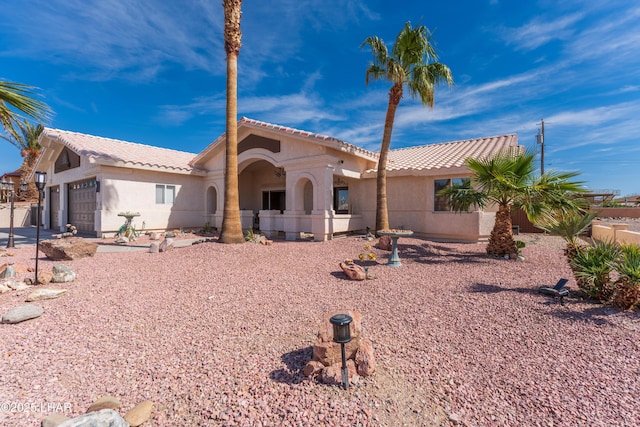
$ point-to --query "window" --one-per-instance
(273, 200)
(441, 203)
(341, 200)
(165, 194)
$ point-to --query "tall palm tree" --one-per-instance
(231, 226)
(508, 179)
(412, 62)
(26, 140)
(20, 97)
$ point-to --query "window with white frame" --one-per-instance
(441, 203)
(165, 194)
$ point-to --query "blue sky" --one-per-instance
(153, 71)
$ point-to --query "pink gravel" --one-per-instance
(218, 335)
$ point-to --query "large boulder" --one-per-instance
(68, 249)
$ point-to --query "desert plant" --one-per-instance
(592, 267)
(569, 225)
(627, 287)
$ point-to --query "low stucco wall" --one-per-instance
(21, 215)
(614, 233)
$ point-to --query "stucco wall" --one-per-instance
(135, 190)
(614, 233)
(21, 215)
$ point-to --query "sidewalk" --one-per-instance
(25, 236)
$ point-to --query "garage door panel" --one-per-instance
(82, 204)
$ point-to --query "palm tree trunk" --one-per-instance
(231, 225)
(501, 240)
(382, 213)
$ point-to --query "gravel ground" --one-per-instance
(218, 335)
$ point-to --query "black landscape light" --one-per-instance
(342, 334)
(41, 182)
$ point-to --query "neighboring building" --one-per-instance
(290, 182)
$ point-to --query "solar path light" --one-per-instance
(342, 334)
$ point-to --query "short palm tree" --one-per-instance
(627, 287)
(592, 266)
(508, 181)
(231, 226)
(412, 62)
(26, 140)
(569, 225)
(22, 98)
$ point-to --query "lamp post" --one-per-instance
(41, 182)
(10, 190)
(342, 334)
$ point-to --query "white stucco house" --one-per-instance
(290, 182)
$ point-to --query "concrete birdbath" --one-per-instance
(394, 260)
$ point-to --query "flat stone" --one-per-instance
(4, 288)
(102, 418)
(44, 293)
(16, 286)
(139, 414)
(105, 402)
(68, 249)
(122, 239)
(62, 274)
(53, 420)
(22, 313)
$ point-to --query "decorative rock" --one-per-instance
(332, 375)
(154, 248)
(62, 274)
(22, 313)
(68, 249)
(313, 368)
(139, 414)
(122, 239)
(4, 288)
(43, 293)
(102, 418)
(44, 277)
(353, 271)
(53, 420)
(166, 245)
(170, 234)
(17, 286)
(7, 271)
(365, 360)
(154, 236)
(384, 243)
(105, 402)
(329, 353)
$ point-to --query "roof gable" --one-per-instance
(316, 138)
(121, 153)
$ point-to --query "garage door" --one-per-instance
(82, 204)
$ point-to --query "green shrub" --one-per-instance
(592, 266)
(627, 289)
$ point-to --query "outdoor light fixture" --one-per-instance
(342, 334)
(41, 182)
(10, 190)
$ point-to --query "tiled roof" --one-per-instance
(447, 154)
(106, 150)
(314, 137)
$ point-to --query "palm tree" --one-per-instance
(27, 142)
(231, 226)
(508, 180)
(20, 97)
(569, 225)
(412, 62)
